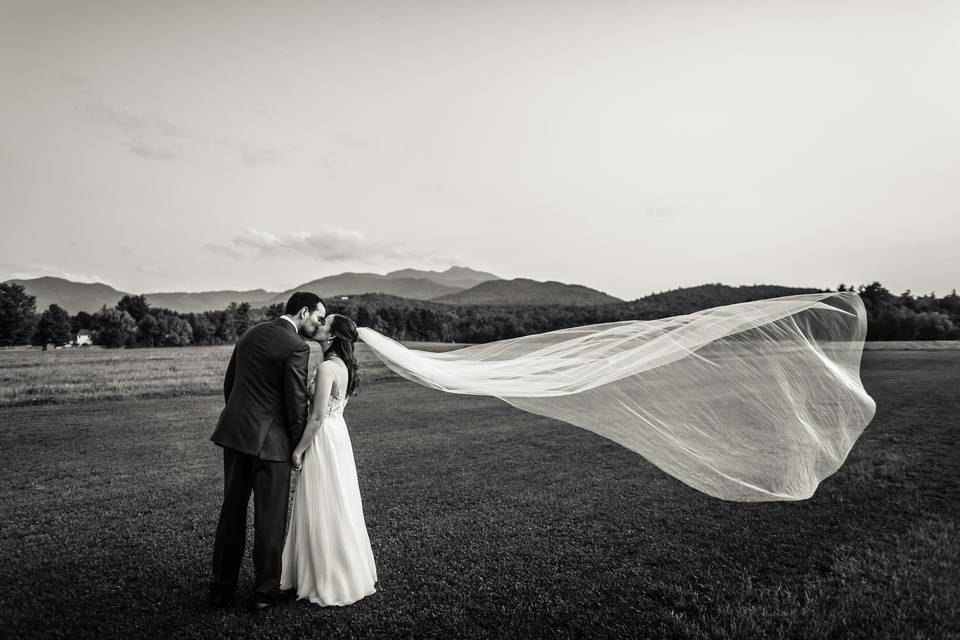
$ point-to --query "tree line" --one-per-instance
(909, 317)
(132, 322)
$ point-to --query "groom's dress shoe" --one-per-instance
(260, 604)
(288, 595)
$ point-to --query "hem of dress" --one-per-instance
(344, 603)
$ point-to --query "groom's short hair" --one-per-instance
(302, 299)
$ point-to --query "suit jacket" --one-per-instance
(265, 389)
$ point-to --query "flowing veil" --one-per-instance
(747, 402)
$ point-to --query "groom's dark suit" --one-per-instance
(265, 389)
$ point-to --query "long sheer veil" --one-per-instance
(748, 402)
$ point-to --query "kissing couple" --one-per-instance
(279, 418)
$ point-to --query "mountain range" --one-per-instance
(523, 291)
(456, 285)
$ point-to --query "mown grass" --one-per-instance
(71, 375)
(29, 377)
(487, 522)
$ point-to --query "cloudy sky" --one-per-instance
(628, 146)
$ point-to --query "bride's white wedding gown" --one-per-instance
(327, 556)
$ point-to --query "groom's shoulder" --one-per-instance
(283, 332)
(269, 325)
(268, 330)
(260, 328)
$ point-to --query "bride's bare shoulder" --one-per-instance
(324, 373)
(333, 370)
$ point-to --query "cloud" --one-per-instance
(152, 152)
(261, 157)
(151, 137)
(328, 245)
(225, 250)
(82, 277)
(31, 271)
(139, 123)
(149, 270)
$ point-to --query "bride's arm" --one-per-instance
(321, 397)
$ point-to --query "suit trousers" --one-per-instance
(270, 483)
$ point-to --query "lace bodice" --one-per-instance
(337, 402)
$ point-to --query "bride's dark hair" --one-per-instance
(343, 333)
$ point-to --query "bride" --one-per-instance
(327, 557)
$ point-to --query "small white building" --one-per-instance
(84, 337)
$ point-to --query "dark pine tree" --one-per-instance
(115, 328)
(53, 328)
(17, 314)
(136, 306)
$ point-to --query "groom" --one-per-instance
(266, 410)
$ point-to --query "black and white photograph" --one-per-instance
(460, 319)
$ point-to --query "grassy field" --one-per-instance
(485, 521)
(70, 375)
